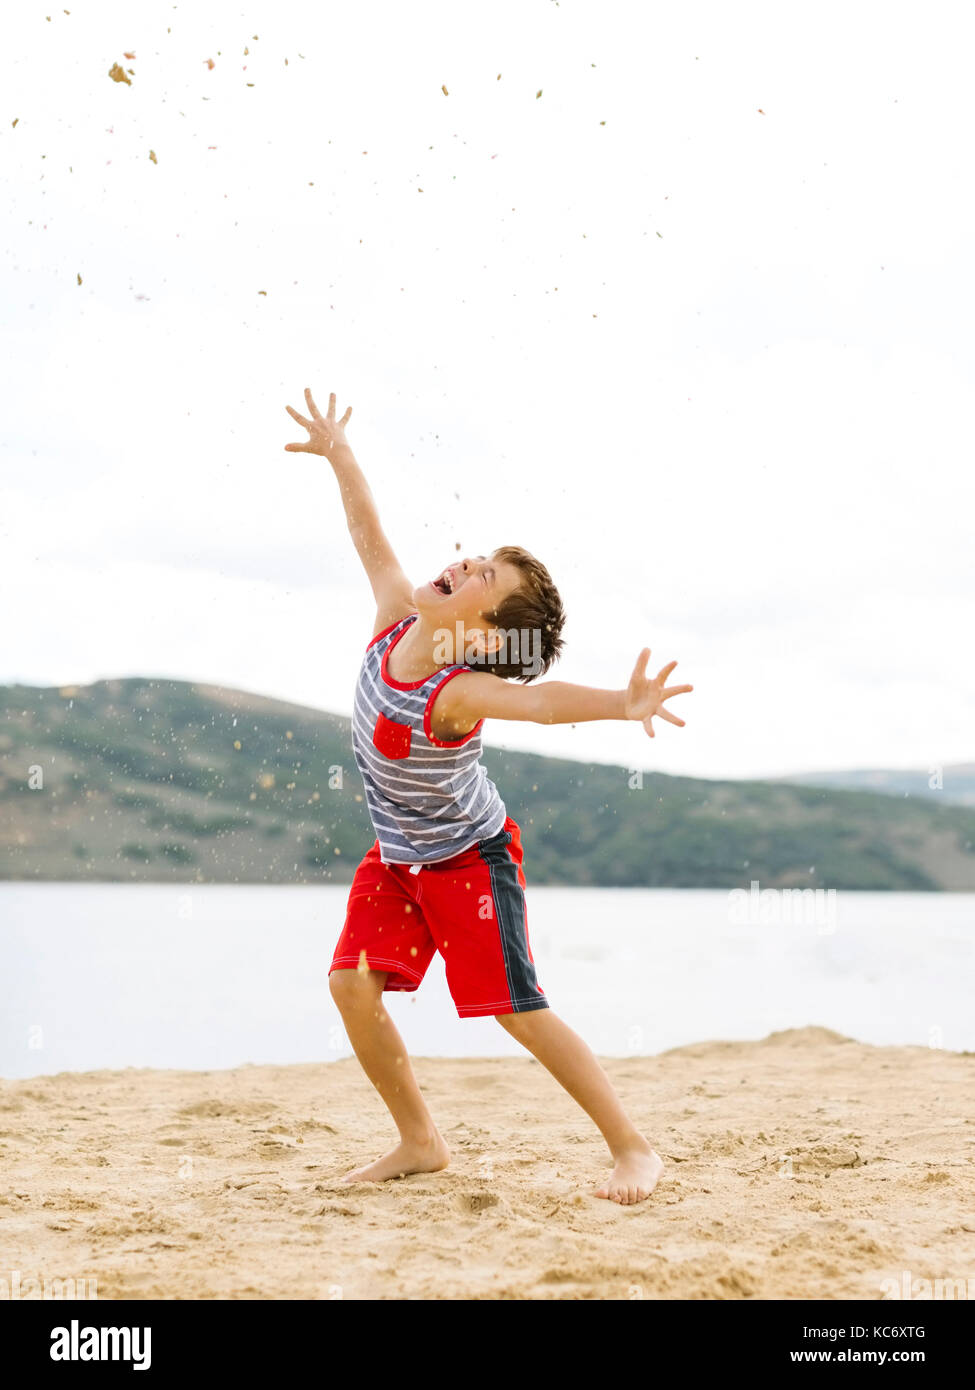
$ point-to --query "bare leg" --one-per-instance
(379, 1048)
(637, 1166)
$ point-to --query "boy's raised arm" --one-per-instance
(478, 695)
(392, 589)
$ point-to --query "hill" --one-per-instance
(164, 780)
(954, 783)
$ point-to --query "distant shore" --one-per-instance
(803, 1166)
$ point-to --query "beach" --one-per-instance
(805, 1165)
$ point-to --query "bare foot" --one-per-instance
(634, 1177)
(405, 1158)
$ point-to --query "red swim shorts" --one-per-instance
(470, 908)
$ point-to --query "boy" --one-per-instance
(445, 871)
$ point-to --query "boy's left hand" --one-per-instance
(326, 434)
(645, 697)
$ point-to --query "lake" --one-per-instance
(213, 976)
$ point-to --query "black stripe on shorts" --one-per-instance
(509, 907)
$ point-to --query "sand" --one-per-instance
(802, 1166)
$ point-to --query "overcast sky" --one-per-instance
(694, 325)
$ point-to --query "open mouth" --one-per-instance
(445, 584)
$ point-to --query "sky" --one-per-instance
(677, 297)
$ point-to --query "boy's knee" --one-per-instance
(352, 988)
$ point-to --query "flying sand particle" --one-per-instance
(117, 74)
(152, 156)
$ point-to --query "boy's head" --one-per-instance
(511, 612)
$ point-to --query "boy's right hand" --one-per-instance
(326, 433)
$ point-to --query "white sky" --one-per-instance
(739, 430)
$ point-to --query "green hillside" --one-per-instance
(160, 780)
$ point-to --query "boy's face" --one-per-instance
(465, 591)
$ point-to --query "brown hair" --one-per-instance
(535, 607)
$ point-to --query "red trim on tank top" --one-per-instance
(385, 632)
(427, 724)
(384, 667)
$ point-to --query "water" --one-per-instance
(206, 977)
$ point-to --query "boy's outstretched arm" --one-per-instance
(393, 591)
(478, 695)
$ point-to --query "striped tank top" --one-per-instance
(427, 799)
